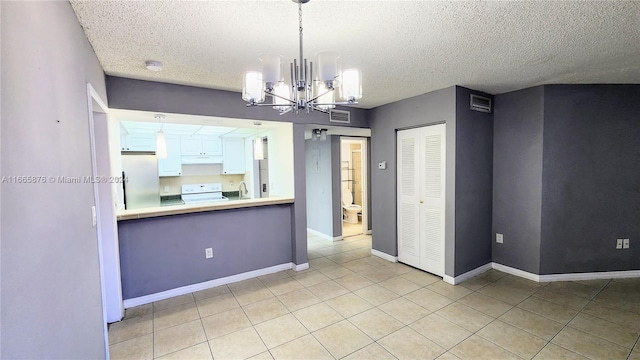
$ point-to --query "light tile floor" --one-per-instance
(354, 306)
(351, 229)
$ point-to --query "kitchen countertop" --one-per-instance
(201, 207)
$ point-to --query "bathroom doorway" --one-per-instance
(353, 180)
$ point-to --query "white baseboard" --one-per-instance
(129, 303)
(568, 276)
(466, 276)
(516, 272)
(300, 267)
(324, 236)
(384, 256)
(541, 278)
(368, 232)
(591, 276)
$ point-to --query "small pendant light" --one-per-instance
(161, 141)
(258, 147)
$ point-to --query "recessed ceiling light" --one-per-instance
(153, 65)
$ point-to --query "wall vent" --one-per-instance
(340, 116)
(480, 103)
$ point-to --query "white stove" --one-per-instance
(202, 193)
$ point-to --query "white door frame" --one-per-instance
(365, 181)
(95, 103)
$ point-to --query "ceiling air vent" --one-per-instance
(340, 116)
(480, 103)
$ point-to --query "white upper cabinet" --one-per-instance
(190, 145)
(197, 145)
(233, 156)
(138, 142)
(172, 165)
(212, 145)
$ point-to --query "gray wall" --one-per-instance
(336, 186)
(319, 185)
(590, 182)
(51, 299)
(161, 97)
(299, 210)
(369, 172)
(517, 178)
(474, 183)
(432, 108)
(164, 253)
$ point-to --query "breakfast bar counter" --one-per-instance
(157, 211)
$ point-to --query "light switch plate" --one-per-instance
(619, 244)
(499, 238)
(625, 243)
(208, 253)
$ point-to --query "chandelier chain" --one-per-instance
(300, 15)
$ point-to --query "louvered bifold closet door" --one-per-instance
(408, 196)
(432, 205)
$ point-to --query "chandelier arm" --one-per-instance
(325, 93)
(336, 103)
(278, 96)
(319, 109)
(263, 104)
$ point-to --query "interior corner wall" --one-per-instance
(51, 297)
(319, 185)
(299, 208)
(590, 187)
(518, 121)
(336, 186)
(428, 109)
(474, 184)
(369, 171)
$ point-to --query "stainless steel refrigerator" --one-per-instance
(142, 185)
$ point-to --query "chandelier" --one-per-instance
(305, 92)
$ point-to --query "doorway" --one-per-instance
(421, 197)
(353, 190)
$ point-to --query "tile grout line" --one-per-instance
(202, 325)
(375, 281)
(578, 313)
(633, 347)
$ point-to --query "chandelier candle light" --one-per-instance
(304, 91)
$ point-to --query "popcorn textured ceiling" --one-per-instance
(403, 48)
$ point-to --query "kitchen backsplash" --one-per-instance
(199, 174)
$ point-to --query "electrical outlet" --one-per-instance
(499, 238)
(625, 243)
(619, 244)
(208, 253)
(166, 188)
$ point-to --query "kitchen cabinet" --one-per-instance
(172, 165)
(233, 156)
(138, 142)
(201, 145)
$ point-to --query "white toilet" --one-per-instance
(351, 209)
